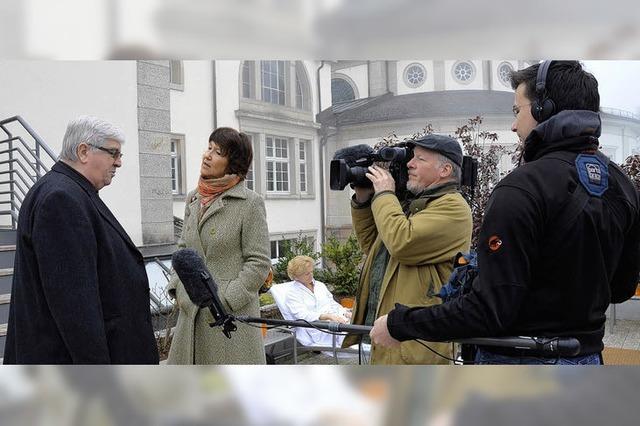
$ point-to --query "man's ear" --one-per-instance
(82, 151)
(446, 170)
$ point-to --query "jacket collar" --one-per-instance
(65, 169)
(92, 192)
(237, 191)
(569, 130)
(431, 194)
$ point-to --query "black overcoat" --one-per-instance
(80, 292)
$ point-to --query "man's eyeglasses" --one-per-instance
(516, 109)
(114, 153)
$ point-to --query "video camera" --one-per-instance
(349, 166)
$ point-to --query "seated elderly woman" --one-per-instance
(310, 300)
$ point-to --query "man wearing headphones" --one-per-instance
(560, 239)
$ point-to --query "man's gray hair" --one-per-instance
(456, 171)
(90, 130)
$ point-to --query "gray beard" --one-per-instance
(415, 189)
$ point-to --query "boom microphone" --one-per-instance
(352, 154)
(200, 286)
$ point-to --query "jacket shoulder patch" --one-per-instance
(593, 174)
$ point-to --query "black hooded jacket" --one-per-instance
(552, 251)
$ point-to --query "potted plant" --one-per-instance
(342, 268)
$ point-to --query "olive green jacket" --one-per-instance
(421, 248)
(233, 239)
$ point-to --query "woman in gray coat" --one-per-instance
(226, 223)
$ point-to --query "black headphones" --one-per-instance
(542, 108)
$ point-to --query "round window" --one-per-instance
(504, 73)
(464, 72)
(414, 75)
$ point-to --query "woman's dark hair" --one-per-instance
(568, 85)
(236, 146)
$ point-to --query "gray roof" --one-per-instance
(455, 103)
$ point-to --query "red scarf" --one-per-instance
(211, 188)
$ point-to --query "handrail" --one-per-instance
(19, 138)
(30, 130)
(17, 160)
(38, 161)
(19, 175)
(18, 185)
(35, 169)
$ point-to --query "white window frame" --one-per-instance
(303, 162)
(278, 90)
(177, 153)
(279, 238)
(250, 179)
(276, 161)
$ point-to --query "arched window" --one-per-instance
(341, 90)
(272, 76)
(272, 82)
(248, 71)
(303, 93)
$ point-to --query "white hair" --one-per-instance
(90, 130)
(456, 171)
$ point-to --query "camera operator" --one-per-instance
(560, 238)
(409, 253)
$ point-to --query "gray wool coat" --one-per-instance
(233, 240)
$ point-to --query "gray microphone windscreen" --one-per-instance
(194, 276)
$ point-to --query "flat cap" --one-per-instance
(445, 145)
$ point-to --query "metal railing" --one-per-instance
(620, 112)
(22, 163)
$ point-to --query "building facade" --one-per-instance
(297, 113)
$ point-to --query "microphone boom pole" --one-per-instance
(323, 325)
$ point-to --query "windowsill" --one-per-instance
(276, 196)
(261, 103)
(179, 197)
(251, 108)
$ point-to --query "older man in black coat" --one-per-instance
(80, 291)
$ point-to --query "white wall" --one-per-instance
(192, 116)
(427, 86)
(227, 92)
(49, 94)
(325, 84)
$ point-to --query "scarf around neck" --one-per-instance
(211, 188)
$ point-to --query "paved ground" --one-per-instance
(625, 334)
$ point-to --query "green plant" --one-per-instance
(301, 246)
(266, 299)
(342, 265)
